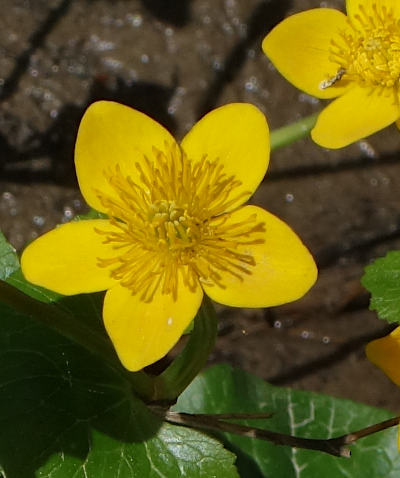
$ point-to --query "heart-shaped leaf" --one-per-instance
(382, 280)
(223, 389)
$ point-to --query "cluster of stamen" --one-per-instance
(368, 52)
(171, 224)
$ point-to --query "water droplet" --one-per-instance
(289, 197)
(304, 98)
(367, 149)
(112, 63)
(373, 182)
(218, 65)
(227, 27)
(7, 196)
(251, 84)
(68, 212)
(38, 220)
(242, 30)
(135, 20)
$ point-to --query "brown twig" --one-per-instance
(333, 446)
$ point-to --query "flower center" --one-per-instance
(171, 225)
(369, 52)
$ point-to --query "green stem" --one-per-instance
(289, 134)
(172, 382)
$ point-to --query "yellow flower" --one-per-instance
(385, 354)
(355, 57)
(176, 227)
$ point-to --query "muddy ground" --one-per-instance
(176, 60)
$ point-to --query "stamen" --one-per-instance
(368, 53)
(170, 225)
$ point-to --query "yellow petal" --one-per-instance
(142, 332)
(65, 259)
(385, 354)
(357, 114)
(299, 47)
(237, 134)
(284, 270)
(353, 7)
(112, 134)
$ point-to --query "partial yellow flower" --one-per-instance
(355, 58)
(385, 354)
(176, 227)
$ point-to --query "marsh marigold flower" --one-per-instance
(355, 58)
(176, 227)
(385, 354)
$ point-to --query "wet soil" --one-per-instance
(176, 60)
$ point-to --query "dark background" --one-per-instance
(176, 60)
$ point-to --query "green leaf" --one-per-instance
(64, 413)
(39, 293)
(92, 214)
(222, 389)
(382, 280)
(84, 307)
(8, 258)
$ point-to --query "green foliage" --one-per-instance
(85, 307)
(92, 214)
(8, 258)
(64, 413)
(17, 280)
(382, 280)
(222, 389)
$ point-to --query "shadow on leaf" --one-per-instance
(57, 400)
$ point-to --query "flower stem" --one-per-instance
(172, 382)
(289, 134)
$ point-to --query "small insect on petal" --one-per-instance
(331, 81)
